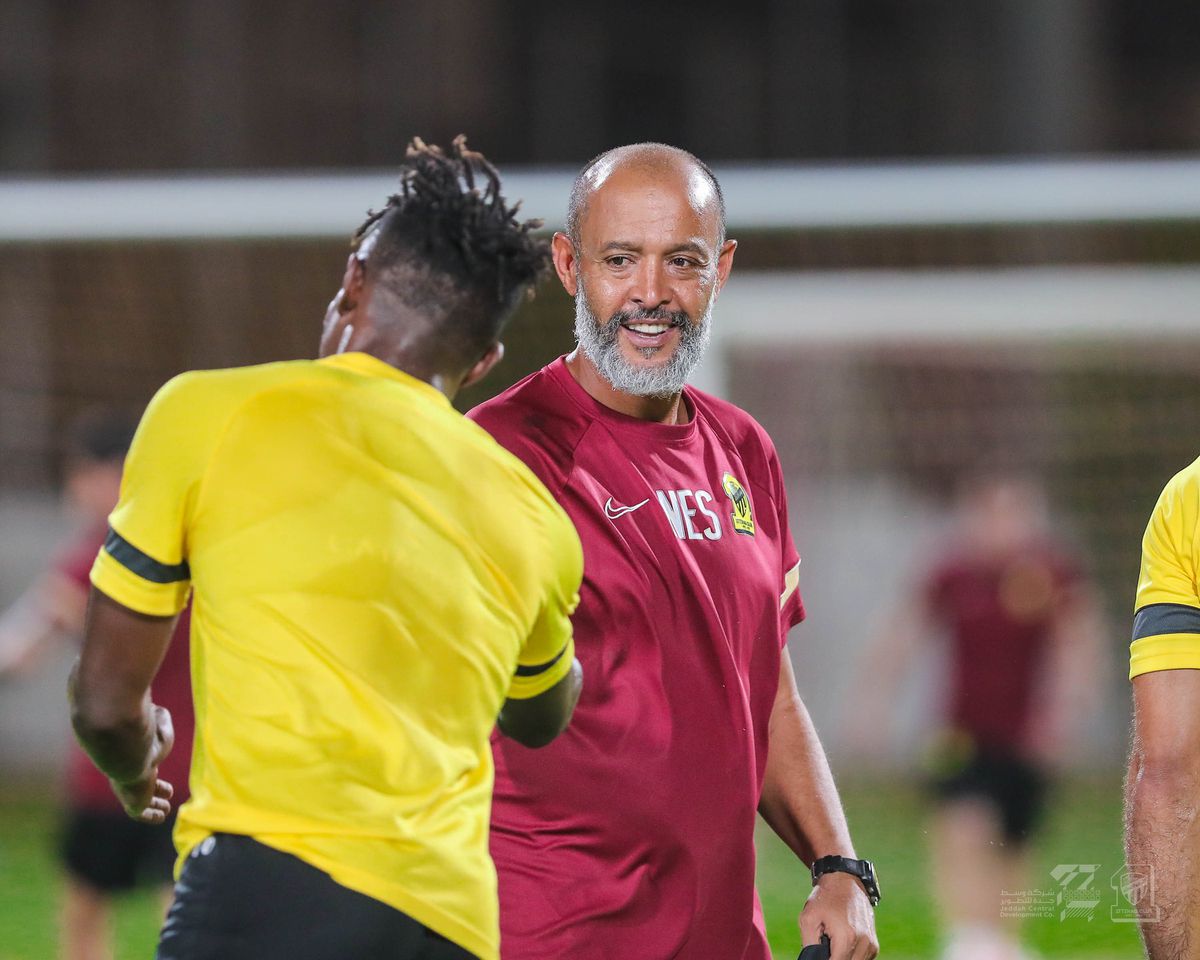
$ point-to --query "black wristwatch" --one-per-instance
(863, 870)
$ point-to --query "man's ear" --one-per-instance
(483, 366)
(343, 309)
(725, 262)
(566, 264)
(352, 285)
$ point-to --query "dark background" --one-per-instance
(134, 85)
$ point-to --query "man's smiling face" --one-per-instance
(649, 263)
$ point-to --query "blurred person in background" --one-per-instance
(104, 853)
(632, 836)
(1023, 633)
(1162, 801)
(377, 585)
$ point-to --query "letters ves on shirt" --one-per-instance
(695, 514)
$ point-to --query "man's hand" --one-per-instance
(147, 799)
(124, 733)
(839, 908)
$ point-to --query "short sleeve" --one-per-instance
(143, 563)
(1166, 627)
(791, 604)
(549, 649)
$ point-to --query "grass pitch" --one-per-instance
(888, 825)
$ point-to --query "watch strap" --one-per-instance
(862, 870)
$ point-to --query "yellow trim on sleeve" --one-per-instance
(1167, 651)
(791, 581)
(522, 688)
(121, 584)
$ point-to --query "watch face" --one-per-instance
(871, 881)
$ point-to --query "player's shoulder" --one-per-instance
(737, 429)
(1176, 515)
(1184, 486)
(199, 403)
(234, 383)
(537, 421)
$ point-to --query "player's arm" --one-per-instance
(536, 720)
(549, 678)
(1162, 802)
(1162, 792)
(114, 719)
(141, 580)
(801, 804)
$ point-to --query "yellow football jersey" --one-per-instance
(1166, 627)
(372, 575)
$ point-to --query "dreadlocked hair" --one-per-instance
(450, 217)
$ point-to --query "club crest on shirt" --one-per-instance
(743, 516)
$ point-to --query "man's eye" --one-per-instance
(618, 261)
(682, 262)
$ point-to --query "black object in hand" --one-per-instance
(818, 951)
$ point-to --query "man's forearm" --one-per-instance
(799, 798)
(118, 741)
(1162, 842)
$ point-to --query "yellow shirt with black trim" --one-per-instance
(1166, 626)
(372, 576)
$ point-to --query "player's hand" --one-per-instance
(838, 907)
(147, 798)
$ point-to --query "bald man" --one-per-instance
(632, 835)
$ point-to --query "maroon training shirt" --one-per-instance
(998, 614)
(631, 835)
(87, 787)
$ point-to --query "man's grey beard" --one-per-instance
(599, 342)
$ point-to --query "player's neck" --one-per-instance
(400, 343)
(669, 410)
(405, 358)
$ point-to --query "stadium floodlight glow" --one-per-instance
(313, 205)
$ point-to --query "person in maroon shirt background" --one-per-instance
(104, 852)
(1023, 635)
(631, 836)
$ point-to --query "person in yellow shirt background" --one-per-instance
(1162, 840)
(377, 584)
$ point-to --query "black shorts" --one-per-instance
(1014, 786)
(238, 899)
(112, 853)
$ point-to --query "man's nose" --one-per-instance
(650, 289)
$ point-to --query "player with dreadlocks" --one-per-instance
(377, 584)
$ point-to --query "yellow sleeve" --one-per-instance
(143, 564)
(550, 648)
(1166, 627)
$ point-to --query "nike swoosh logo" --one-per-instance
(614, 512)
